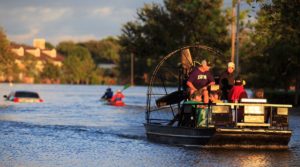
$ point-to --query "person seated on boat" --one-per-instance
(214, 94)
(199, 79)
(108, 94)
(215, 97)
(226, 81)
(259, 93)
(118, 97)
(197, 96)
(238, 91)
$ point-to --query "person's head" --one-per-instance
(239, 82)
(197, 96)
(108, 89)
(214, 96)
(259, 93)
(205, 65)
(118, 91)
(230, 67)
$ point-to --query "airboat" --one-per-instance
(172, 118)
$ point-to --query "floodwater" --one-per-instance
(73, 128)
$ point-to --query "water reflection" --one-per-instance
(241, 158)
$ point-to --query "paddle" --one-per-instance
(125, 87)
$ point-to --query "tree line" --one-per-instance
(79, 64)
(269, 46)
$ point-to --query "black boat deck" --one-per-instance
(219, 137)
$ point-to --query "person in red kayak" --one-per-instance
(237, 92)
(117, 98)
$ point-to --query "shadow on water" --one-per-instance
(130, 133)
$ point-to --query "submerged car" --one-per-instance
(23, 97)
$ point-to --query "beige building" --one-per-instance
(40, 54)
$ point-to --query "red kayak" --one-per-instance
(117, 103)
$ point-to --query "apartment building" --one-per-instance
(39, 54)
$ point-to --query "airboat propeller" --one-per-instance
(173, 71)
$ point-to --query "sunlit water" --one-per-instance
(73, 128)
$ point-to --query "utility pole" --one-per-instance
(237, 70)
(233, 32)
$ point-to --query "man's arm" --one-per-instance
(211, 83)
(211, 79)
(191, 86)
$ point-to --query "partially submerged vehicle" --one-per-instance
(20, 96)
(172, 118)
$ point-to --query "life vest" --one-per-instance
(237, 92)
(117, 97)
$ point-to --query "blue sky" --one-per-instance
(77, 20)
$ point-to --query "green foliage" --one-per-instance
(104, 51)
(280, 97)
(49, 46)
(78, 66)
(65, 47)
(30, 63)
(7, 58)
(274, 49)
(51, 72)
(161, 29)
(71, 69)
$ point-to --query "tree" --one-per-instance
(104, 51)
(30, 63)
(65, 47)
(161, 29)
(7, 58)
(49, 46)
(275, 47)
(78, 66)
(51, 72)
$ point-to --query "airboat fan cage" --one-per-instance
(167, 88)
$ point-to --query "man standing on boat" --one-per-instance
(199, 79)
(227, 80)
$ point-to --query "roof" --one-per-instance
(42, 56)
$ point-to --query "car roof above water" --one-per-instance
(30, 94)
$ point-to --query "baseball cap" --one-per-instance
(205, 63)
(231, 64)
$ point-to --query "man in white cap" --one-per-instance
(226, 81)
(199, 79)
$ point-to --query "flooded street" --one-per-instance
(73, 128)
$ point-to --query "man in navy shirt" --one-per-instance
(108, 94)
(199, 79)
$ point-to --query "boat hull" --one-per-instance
(219, 137)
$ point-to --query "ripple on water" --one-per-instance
(73, 128)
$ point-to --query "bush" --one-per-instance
(280, 97)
